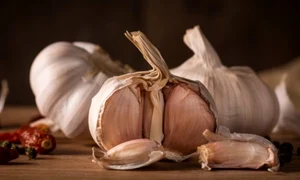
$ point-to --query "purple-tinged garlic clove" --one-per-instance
(130, 155)
(236, 150)
(186, 114)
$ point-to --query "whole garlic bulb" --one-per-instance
(244, 102)
(64, 77)
(154, 105)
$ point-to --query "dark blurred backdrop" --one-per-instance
(257, 33)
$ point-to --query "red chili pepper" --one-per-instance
(12, 137)
(7, 154)
(41, 141)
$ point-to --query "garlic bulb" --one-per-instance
(3, 95)
(288, 94)
(244, 102)
(226, 150)
(154, 105)
(64, 77)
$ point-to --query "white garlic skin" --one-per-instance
(61, 93)
(244, 103)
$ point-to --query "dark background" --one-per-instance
(257, 33)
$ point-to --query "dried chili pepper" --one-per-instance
(12, 137)
(41, 141)
(7, 154)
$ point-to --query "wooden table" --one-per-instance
(72, 160)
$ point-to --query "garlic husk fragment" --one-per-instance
(130, 155)
(244, 102)
(139, 105)
(226, 150)
(64, 77)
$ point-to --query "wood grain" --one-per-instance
(72, 160)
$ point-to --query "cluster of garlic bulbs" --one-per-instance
(64, 77)
(244, 102)
(154, 105)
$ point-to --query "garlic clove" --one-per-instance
(130, 155)
(237, 150)
(185, 105)
(126, 123)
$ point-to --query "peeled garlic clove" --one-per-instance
(244, 102)
(64, 77)
(142, 105)
(130, 155)
(184, 107)
(236, 150)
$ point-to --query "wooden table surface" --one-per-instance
(72, 160)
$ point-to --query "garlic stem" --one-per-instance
(202, 48)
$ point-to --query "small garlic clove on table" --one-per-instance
(236, 150)
(130, 155)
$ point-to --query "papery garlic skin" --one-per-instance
(130, 155)
(139, 105)
(64, 77)
(244, 102)
(226, 150)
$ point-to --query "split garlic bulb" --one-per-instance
(244, 102)
(236, 150)
(64, 77)
(154, 105)
(288, 94)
